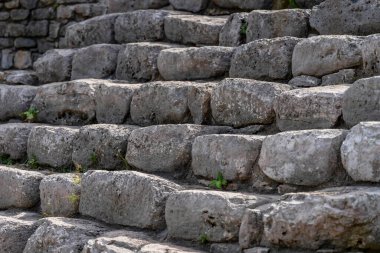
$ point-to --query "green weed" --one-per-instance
(6, 160)
(32, 162)
(219, 182)
(204, 239)
(74, 198)
(30, 115)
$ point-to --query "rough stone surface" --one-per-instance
(96, 61)
(344, 76)
(271, 24)
(225, 248)
(308, 157)
(55, 65)
(244, 5)
(233, 33)
(312, 108)
(272, 59)
(163, 248)
(165, 148)
(325, 218)
(360, 154)
(120, 194)
(22, 77)
(232, 155)
(60, 194)
(304, 81)
(68, 103)
(131, 5)
(191, 213)
(371, 55)
(194, 29)
(15, 229)
(194, 63)
(243, 102)
(113, 102)
(355, 17)
(138, 61)
(15, 100)
(101, 146)
(52, 145)
(63, 235)
(322, 55)
(192, 5)
(361, 101)
(14, 140)
(171, 102)
(19, 188)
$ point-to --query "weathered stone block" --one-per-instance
(21, 77)
(192, 5)
(234, 32)
(244, 5)
(131, 5)
(344, 76)
(22, 59)
(371, 55)
(304, 81)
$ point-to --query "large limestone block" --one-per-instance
(189, 5)
(60, 195)
(312, 108)
(322, 55)
(360, 152)
(244, 5)
(232, 155)
(101, 146)
(271, 24)
(63, 235)
(14, 139)
(371, 55)
(163, 248)
(52, 145)
(308, 157)
(344, 76)
(22, 77)
(165, 148)
(360, 17)
(97, 61)
(233, 33)
(14, 100)
(138, 61)
(131, 5)
(68, 103)
(361, 101)
(15, 230)
(92, 31)
(194, 63)
(55, 65)
(342, 218)
(194, 29)
(304, 81)
(126, 198)
(19, 188)
(171, 103)
(242, 102)
(272, 59)
(192, 213)
(113, 102)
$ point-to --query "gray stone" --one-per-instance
(271, 24)
(141, 25)
(22, 77)
(7, 56)
(171, 103)
(192, 213)
(272, 59)
(63, 235)
(361, 101)
(192, 5)
(55, 65)
(138, 61)
(308, 157)
(97, 61)
(37, 28)
(14, 139)
(344, 76)
(360, 17)
(68, 103)
(22, 59)
(242, 102)
(308, 4)
(360, 152)
(13, 4)
(322, 55)
(52, 145)
(304, 81)
(19, 14)
(44, 13)
(4, 15)
(163, 248)
(101, 146)
(6, 42)
(194, 63)
(194, 29)
(14, 100)
(225, 248)
(131, 5)
(113, 102)
(244, 5)
(15, 229)
(120, 196)
(28, 4)
(16, 30)
(371, 55)
(60, 195)
(232, 155)
(91, 31)
(24, 43)
(314, 220)
(165, 148)
(312, 108)
(234, 32)
(19, 188)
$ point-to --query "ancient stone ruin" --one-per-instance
(189, 126)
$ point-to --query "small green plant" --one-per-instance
(94, 159)
(32, 162)
(124, 160)
(293, 4)
(219, 182)
(6, 160)
(74, 198)
(204, 239)
(243, 27)
(79, 168)
(77, 179)
(30, 115)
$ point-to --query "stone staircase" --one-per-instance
(222, 126)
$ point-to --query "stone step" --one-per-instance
(19, 77)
